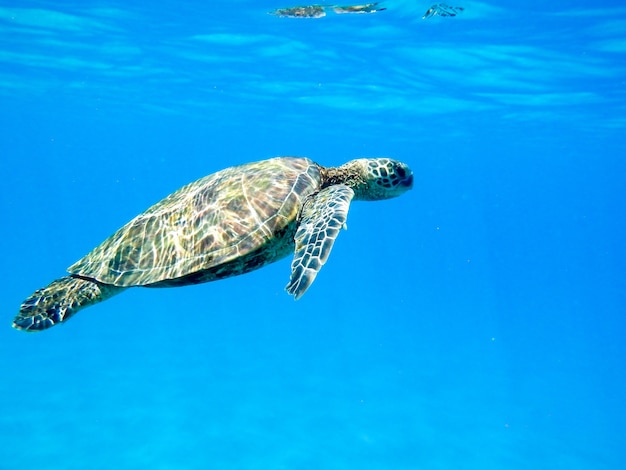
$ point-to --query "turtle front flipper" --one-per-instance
(323, 216)
(60, 300)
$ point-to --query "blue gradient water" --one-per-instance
(476, 322)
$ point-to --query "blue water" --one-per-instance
(476, 322)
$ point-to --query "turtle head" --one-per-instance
(381, 178)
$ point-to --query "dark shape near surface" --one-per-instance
(318, 11)
(442, 9)
(225, 224)
(366, 8)
(311, 11)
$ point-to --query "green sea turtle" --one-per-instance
(228, 223)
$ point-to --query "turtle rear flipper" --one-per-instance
(59, 301)
(322, 218)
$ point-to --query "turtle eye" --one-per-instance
(401, 172)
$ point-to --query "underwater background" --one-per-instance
(477, 322)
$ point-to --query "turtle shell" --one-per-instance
(224, 224)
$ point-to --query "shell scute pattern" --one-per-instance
(223, 224)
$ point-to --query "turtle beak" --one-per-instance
(408, 181)
(404, 176)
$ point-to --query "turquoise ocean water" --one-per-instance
(477, 322)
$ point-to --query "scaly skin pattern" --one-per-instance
(59, 301)
(322, 218)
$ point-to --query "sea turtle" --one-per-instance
(228, 223)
